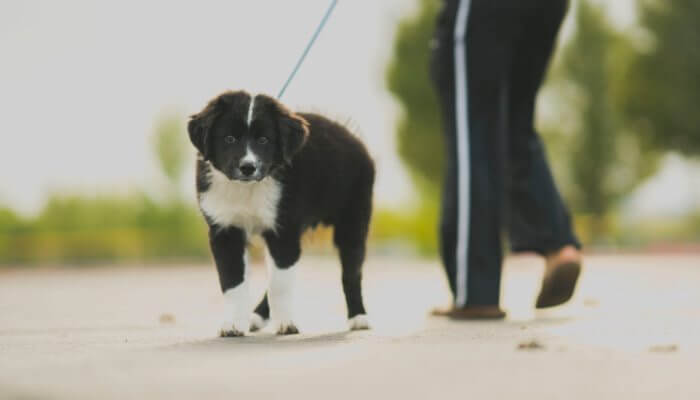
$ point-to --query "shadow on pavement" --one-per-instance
(267, 339)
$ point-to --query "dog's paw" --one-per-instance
(230, 333)
(358, 322)
(233, 329)
(286, 328)
(257, 323)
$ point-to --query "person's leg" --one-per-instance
(539, 220)
(469, 69)
(442, 76)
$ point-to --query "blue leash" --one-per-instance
(308, 47)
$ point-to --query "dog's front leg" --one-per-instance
(284, 249)
(229, 249)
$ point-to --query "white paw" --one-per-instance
(285, 328)
(236, 318)
(358, 322)
(257, 323)
(234, 328)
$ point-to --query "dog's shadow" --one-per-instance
(269, 339)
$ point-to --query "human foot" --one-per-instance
(562, 270)
(470, 312)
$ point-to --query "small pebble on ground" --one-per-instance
(530, 345)
(670, 348)
(167, 318)
(589, 302)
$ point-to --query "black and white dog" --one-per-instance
(262, 169)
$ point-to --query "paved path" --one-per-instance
(632, 332)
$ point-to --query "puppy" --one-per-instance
(265, 170)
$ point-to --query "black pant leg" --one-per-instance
(538, 218)
(442, 76)
(469, 68)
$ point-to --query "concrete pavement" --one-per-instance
(631, 332)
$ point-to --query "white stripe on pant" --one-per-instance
(463, 157)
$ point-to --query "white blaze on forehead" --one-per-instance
(250, 109)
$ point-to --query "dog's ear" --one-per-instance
(199, 126)
(199, 135)
(293, 132)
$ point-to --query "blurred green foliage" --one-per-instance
(662, 87)
(171, 149)
(408, 80)
(79, 229)
(406, 230)
(419, 125)
(75, 229)
(597, 158)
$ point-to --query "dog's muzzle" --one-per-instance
(247, 172)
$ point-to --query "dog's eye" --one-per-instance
(230, 139)
(262, 140)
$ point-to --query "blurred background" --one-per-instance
(94, 96)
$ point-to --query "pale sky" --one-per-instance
(81, 83)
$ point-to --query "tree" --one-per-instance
(662, 90)
(419, 131)
(595, 153)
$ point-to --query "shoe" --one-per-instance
(559, 284)
(470, 312)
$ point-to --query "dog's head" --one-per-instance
(247, 137)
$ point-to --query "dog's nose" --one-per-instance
(247, 169)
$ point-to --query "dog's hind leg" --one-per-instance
(261, 315)
(351, 258)
(350, 236)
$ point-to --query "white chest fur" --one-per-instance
(251, 206)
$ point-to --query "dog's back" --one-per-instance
(331, 174)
